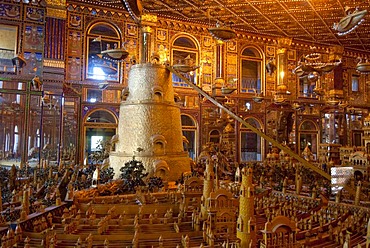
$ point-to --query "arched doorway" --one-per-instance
(99, 126)
(189, 131)
(250, 142)
(308, 133)
(185, 47)
(251, 71)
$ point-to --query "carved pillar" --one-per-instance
(148, 22)
(282, 61)
(219, 80)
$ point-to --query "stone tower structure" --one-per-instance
(246, 226)
(150, 125)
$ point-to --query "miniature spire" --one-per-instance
(26, 201)
(358, 193)
(58, 201)
(208, 185)
(285, 184)
(246, 220)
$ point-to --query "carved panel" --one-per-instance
(73, 68)
(75, 21)
(162, 35)
(10, 11)
(33, 37)
(74, 43)
(33, 14)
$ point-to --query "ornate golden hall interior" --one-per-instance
(185, 123)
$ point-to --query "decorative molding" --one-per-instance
(56, 13)
(60, 3)
(54, 63)
(149, 18)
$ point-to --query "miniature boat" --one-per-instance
(116, 55)
(332, 102)
(350, 22)
(226, 90)
(222, 33)
(185, 68)
(258, 99)
(363, 67)
(13, 12)
(108, 69)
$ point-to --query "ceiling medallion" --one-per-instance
(222, 33)
(351, 21)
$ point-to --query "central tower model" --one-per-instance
(150, 125)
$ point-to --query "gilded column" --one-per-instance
(282, 61)
(219, 80)
(282, 65)
(56, 9)
(148, 22)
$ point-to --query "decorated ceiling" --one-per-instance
(333, 22)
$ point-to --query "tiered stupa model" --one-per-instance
(150, 125)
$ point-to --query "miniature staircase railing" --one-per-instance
(252, 128)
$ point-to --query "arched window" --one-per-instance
(16, 140)
(251, 71)
(189, 131)
(250, 142)
(214, 136)
(100, 37)
(100, 126)
(38, 138)
(101, 116)
(184, 51)
(308, 137)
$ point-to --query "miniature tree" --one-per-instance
(102, 152)
(106, 175)
(132, 174)
(155, 183)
